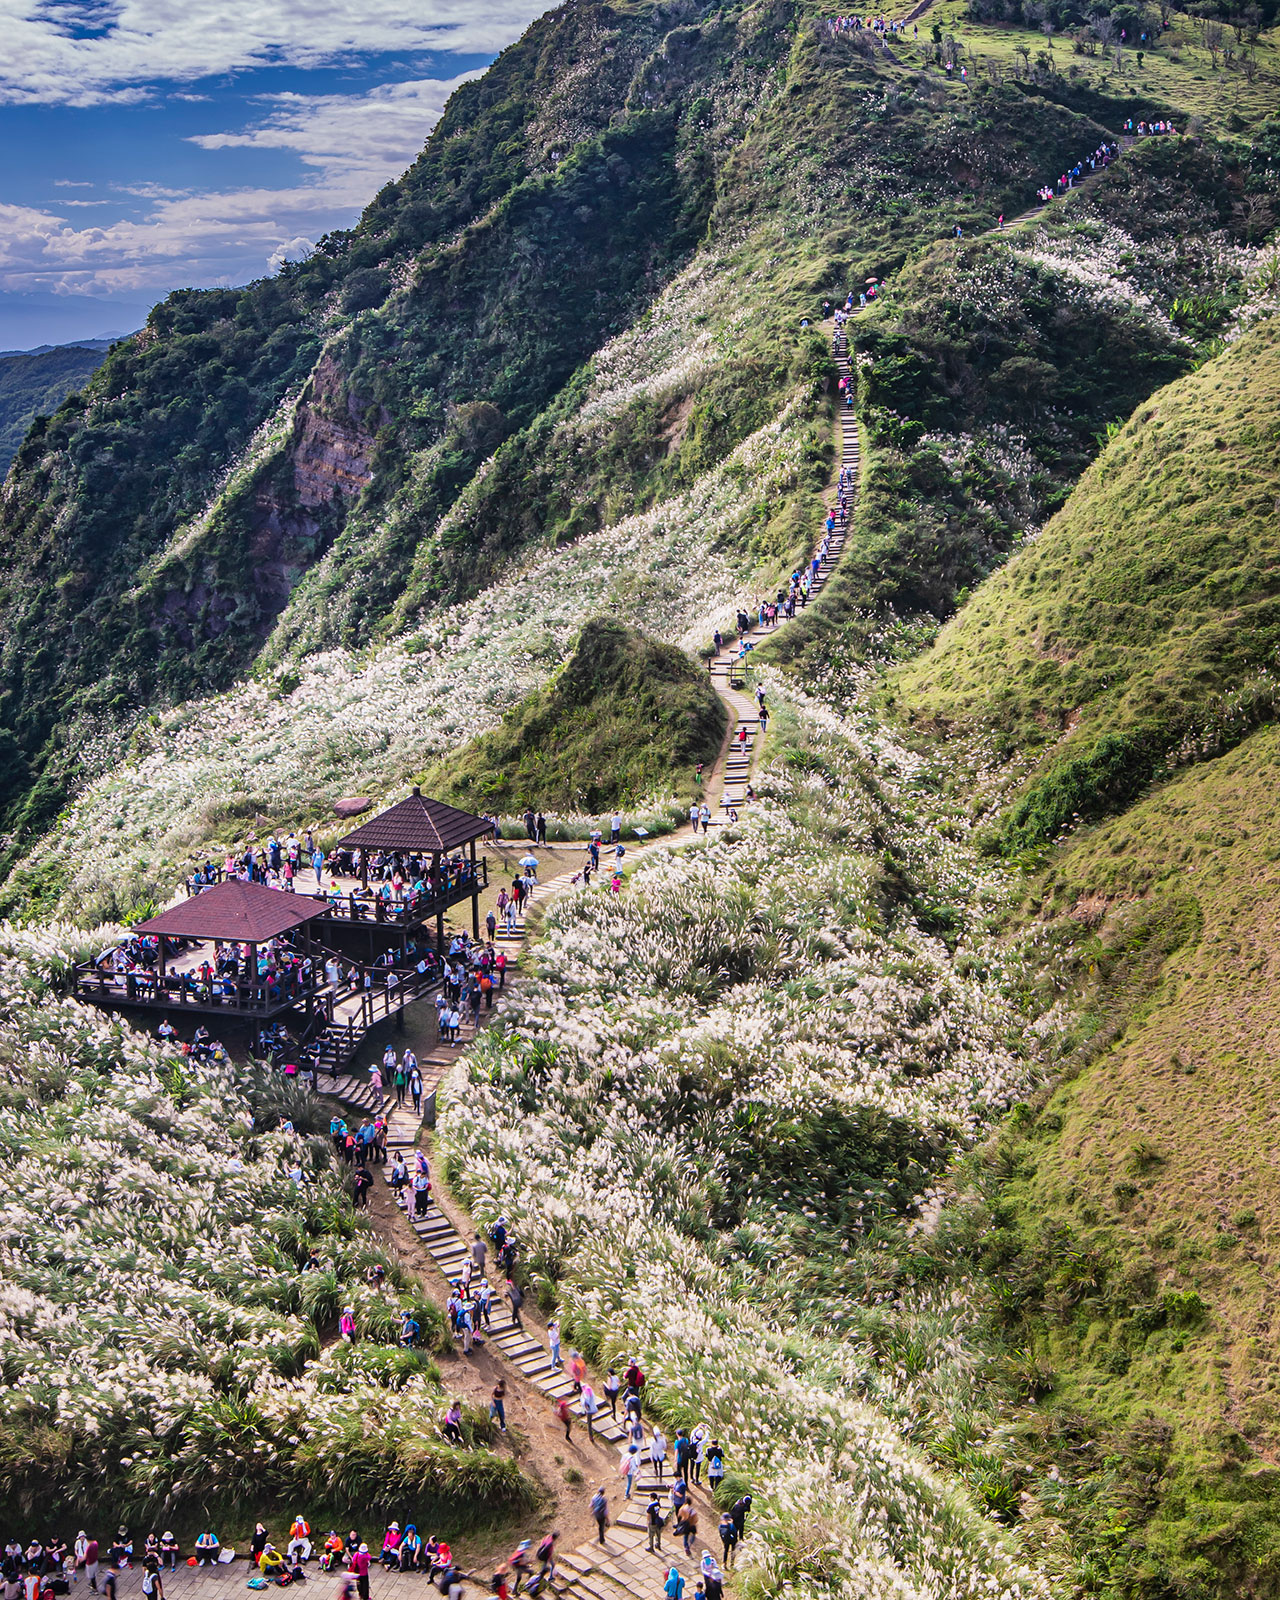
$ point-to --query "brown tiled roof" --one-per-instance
(235, 910)
(418, 824)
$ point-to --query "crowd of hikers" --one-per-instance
(397, 881)
(46, 1570)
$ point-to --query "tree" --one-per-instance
(1213, 37)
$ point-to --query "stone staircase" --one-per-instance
(622, 1568)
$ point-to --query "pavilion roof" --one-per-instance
(418, 824)
(249, 912)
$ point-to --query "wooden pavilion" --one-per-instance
(234, 911)
(421, 827)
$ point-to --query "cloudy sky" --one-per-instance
(159, 143)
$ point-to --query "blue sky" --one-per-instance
(155, 144)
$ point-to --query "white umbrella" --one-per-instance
(528, 861)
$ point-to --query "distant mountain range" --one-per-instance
(35, 382)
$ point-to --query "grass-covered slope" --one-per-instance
(1140, 628)
(625, 719)
(36, 382)
(991, 369)
(167, 1349)
(285, 461)
(1131, 1225)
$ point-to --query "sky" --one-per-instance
(161, 144)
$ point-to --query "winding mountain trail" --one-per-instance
(622, 1568)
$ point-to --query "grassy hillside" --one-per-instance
(625, 719)
(339, 450)
(34, 383)
(1140, 629)
(148, 1229)
(991, 370)
(1131, 1218)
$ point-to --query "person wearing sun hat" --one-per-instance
(169, 1550)
(391, 1546)
(360, 1564)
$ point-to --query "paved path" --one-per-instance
(622, 1568)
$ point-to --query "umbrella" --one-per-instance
(528, 861)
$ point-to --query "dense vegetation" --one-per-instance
(1140, 630)
(993, 368)
(625, 720)
(163, 1337)
(36, 382)
(281, 465)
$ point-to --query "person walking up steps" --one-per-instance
(600, 1511)
(655, 1522)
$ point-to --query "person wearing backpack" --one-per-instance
(547, 1555)
(655, 1521)
(600, 1511)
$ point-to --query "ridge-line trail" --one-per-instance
(623, 1568)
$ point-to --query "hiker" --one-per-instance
(715, 1467)
(208, 1549)
(740, 1511)
(658, 1452)
(547, 1555)
(516, 1298)
(629, 1466)
(600, 1511)
(451, 1427)
(299, 1539)
(728, 1537)
(566, 1416)
(399, 1176)
(590, 1405)
(612, 1389)
(655, 1521)
(497, 1404)
(673, 1588)
(360, 1564)
(553, 1340)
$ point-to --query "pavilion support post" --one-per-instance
(364, 868)
(475, 894)
(253, 972)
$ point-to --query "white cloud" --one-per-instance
(357, 141)
(294, 250)
(353, 144)
(149, 191)
(59, 56)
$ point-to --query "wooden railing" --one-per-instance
(372, 907)
(177, 990)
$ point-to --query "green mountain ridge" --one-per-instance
(915, 1129)
(36, 382)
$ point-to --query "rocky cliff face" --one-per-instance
(333, 448)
